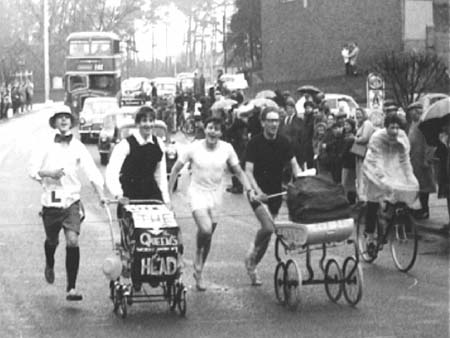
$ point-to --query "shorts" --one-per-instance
(68, 218)
(203, 199)
(274, 204)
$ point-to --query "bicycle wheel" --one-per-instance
(366, 255)
(353, 281)
(404, 243)
(292, 284)
(333, 280)
(279, 282)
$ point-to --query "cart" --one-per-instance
(147, 263)
(296, 238)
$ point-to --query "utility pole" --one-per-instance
(46, 54)
(224, 29)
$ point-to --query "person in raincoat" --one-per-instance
(387, 173)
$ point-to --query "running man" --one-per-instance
(54, 164)
(267, 154)
(208, 159)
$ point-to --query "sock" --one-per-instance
(50, 253)
(72, 263)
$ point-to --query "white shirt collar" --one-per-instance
(140, 139)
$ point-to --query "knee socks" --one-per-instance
(72, 263)
(50, 253)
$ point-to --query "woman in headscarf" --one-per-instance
(364, 131)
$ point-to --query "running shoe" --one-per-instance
(73, 295)
(251, 271)
(49, 274)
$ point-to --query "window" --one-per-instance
(78, 48)
(100, 47)
(78, 82)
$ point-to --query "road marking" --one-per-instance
(413, 284)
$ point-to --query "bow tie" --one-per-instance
(63, 138)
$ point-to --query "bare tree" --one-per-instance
(411, 74)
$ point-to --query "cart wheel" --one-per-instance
(279, 282)
(172, 296)
(353, 281)
(292, 284)
(123, 307)
(181, 299)
(333, 280)
(367, 256)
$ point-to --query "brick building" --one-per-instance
(302, 39)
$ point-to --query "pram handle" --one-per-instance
(149, 201)
(277, 194)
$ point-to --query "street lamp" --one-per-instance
(46, 54)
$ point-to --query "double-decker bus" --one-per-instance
(93, 67)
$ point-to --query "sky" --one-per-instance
(176, 30)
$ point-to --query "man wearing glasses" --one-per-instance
(267, 155)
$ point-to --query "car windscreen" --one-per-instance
(131, 84)
(332, 103)
(78, 82)
(169, 87)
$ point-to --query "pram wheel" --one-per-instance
(181, 299)
(123, 307)
(172, 296)
(292, 284)
(353, 280)
(333, 280)
(279, 283)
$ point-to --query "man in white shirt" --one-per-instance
(54, 164)
(137, 167)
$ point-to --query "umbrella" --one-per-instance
(245, 110)
(432, 120)
(225, 104)
(308, 89)
(261, 103)
(266, 94)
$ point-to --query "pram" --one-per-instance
(148, 257)
(303, 238)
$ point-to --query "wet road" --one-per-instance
(393, 304)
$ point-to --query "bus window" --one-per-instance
(100, 47)
(102, 82)
(77, 82)
(79, 48)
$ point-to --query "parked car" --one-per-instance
(112, 123)
(165, 86)
(91, 117)
(135, 90)
(429, 98)
(185, 82)
(341, 102)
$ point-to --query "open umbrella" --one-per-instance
(308, 89)
(266, 94)
(432, 120)
(261, 103)
(225, 104)
(245, 110)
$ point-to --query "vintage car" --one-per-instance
(135, 90)
(92, 115)
(340, 103)
(111, 125)
(166, 86)
(116, 129)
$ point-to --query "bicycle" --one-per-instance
(399, 231)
